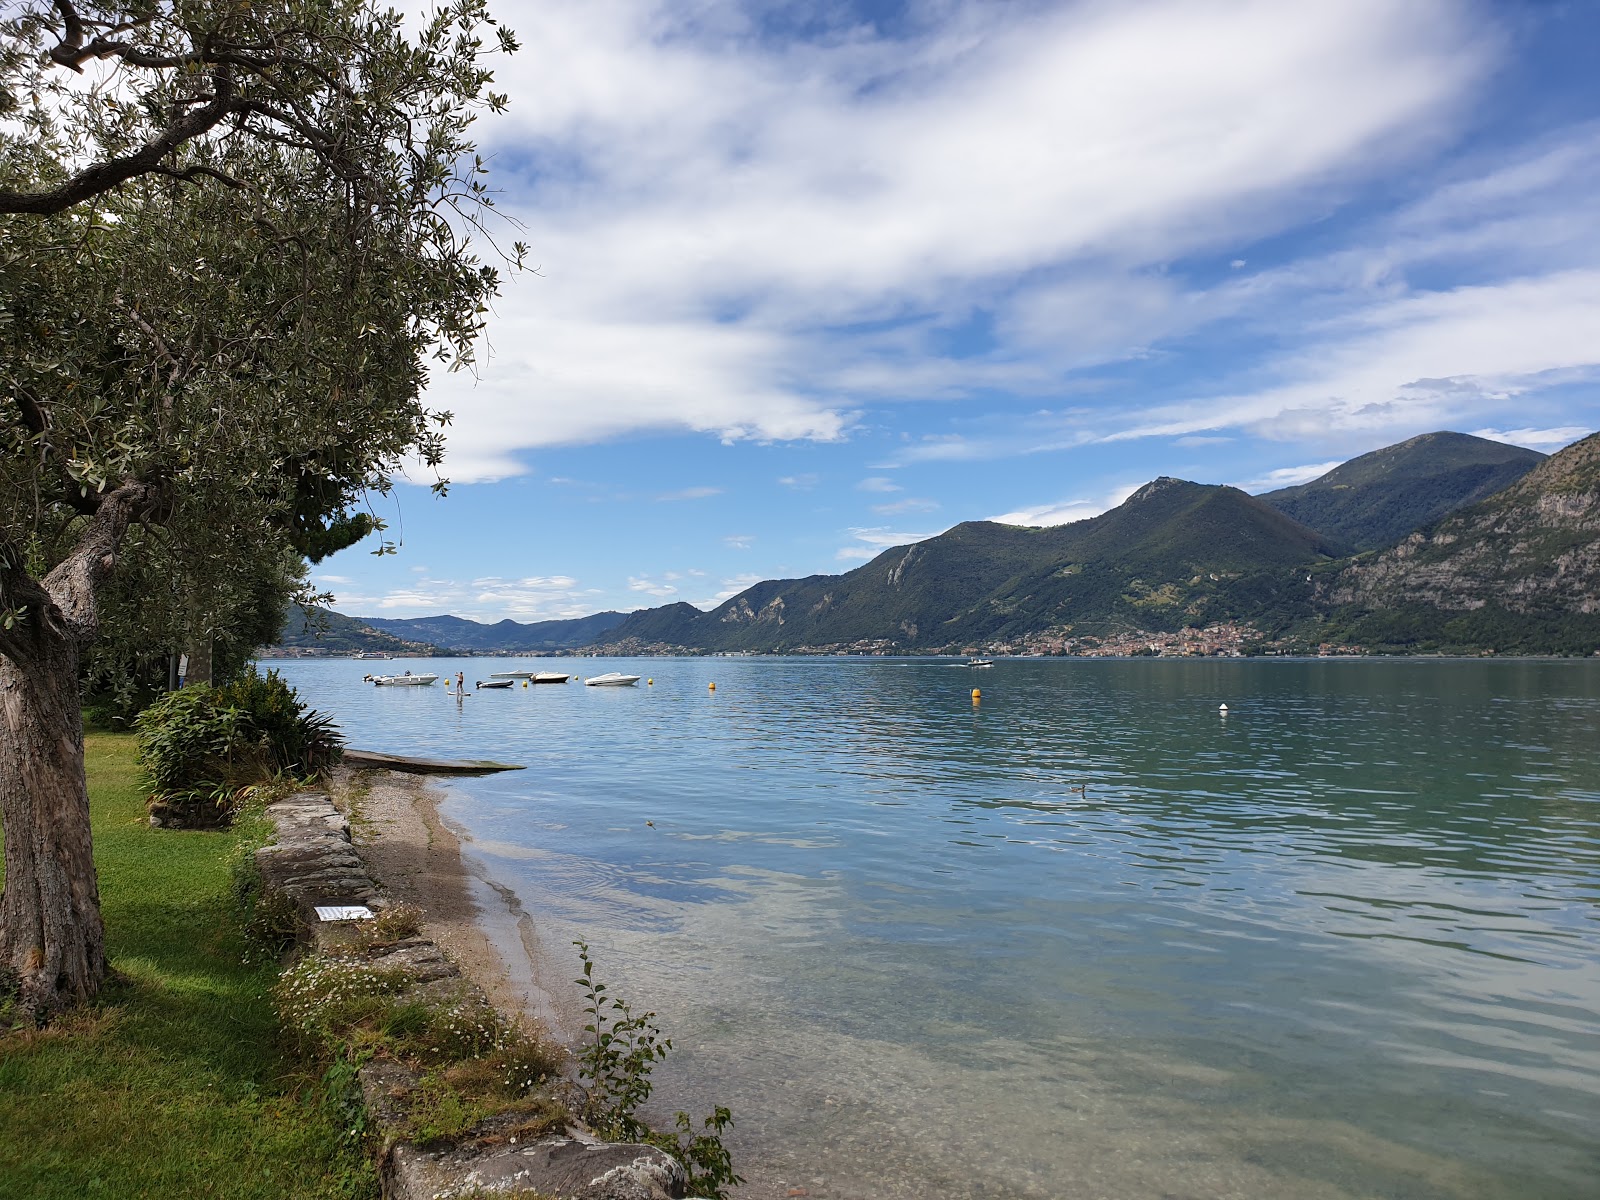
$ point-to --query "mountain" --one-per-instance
(1519, 571)
(1173, 553)
(458, 633)
(1373, 501)
(332, 631)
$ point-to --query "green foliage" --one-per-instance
(616, 1059)
(187, 743)
(201, 747)
(707, 1161)
(614, 1065)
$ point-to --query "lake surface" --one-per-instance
(1086, 937)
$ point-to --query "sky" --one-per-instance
(815, 279)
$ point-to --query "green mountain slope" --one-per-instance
(333, 631)
(1174, 553)
(1373, 501)
(1519, 571)
(458, 633)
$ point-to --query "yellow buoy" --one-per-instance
(524, 683)
(649, 683)
(976, 694)
(712, 686)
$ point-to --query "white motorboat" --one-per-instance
(554, 677)
(406, 680)
(612, 679)
(512, 674)
(980, 662)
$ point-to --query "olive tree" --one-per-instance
(230, 252)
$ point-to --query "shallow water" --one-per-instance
(1087, 937)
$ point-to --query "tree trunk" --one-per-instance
(52, 941)
(199, 669)
(51, 937)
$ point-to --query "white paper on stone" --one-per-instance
(344, 912)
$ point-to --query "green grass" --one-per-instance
(173, 1084)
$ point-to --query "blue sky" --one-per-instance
(818, 279)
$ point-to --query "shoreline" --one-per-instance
(417, 859)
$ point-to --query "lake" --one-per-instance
(1087, 936)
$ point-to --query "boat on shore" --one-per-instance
(612, 679)
(406, 680)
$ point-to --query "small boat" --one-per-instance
(552, 677)
(612, 679)
(495, 683)
(511, 674)
(980, 662)
(406, 680)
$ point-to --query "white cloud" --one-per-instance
(1547, 441)
(1419, 362)
(651, 587)
(739, 541)
(910, 504)
(730, 587)
(531, 598)
(690, 493)
(334, 579)
(799, 483)
(878, 483)
(1288, 476)
(1064, 512)
(696, 250)
(876, 540)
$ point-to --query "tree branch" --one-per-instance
(102, 177)
(73, 587)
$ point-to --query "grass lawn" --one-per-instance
(172, 1084)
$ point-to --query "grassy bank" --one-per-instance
(173, 1084)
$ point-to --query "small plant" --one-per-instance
(616, 1059)
(342, 1098)
(707, 1161)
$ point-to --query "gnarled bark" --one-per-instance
(51, 937)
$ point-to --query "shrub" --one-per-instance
(200, 747)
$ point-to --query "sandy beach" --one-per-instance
(416, 858)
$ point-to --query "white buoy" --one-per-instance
(1222, 708)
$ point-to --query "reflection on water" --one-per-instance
(1087, 937)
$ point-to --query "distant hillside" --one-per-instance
(1373, 501)
(1174, 553)
(458, 633)
(323, 628)
(1517, 572)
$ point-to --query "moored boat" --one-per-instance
(511, 674)
(612, 679)
(551, 677)
(406, 680)
(495, 683)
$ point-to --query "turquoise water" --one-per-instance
(1088, 937)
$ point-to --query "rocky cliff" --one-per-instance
(1533, 548)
